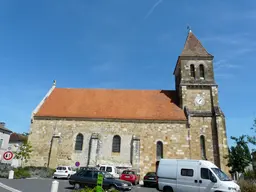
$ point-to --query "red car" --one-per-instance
(131, 176)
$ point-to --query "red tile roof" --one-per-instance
(15, 137)
(193, 47)
(112, 104)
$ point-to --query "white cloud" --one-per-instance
(153, 8)
(224, 63)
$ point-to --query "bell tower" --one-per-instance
(198, 96)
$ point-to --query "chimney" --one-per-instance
(2, 124)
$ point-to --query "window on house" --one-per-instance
(187, 172)
(159, 150)
(192, 71)
(202, 145)
(79, 142)
(116, 145)
(201, 71)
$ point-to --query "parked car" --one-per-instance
(89, 178)
(150, 179)
(63, 172)
(111, 169)
(131, 176)
(192, 175)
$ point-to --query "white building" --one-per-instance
(4, 139)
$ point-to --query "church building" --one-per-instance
(134, 128)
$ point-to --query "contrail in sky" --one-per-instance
(153, 8)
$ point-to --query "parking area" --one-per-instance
(44, 185)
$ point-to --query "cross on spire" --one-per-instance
(189, 28)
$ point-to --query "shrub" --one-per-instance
(247, 186)
(4, 170)
(20, 173)
(42, 172)
(248, 175)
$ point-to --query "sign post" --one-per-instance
(99, 183)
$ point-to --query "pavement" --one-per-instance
(44, 185)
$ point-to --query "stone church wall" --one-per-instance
(173, 135)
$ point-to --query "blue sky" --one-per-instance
(126, 44)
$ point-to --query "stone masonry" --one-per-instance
(143, 134)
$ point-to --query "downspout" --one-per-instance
(188, 126)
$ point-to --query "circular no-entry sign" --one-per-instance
(8, 155)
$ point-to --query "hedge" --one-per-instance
(26, 172)
(247, 185)
(87, 189)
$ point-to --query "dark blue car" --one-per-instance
(89, 178)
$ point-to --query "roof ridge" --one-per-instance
(112, 89)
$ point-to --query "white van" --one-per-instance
(111, 169)
(176, 175)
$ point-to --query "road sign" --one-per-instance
(8, 155)
(77, 164)
(99, 183)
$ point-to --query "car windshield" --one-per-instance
(221, 175)
(151, 174)
(61, 168)
(128, 172)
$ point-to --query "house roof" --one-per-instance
(111, 104)
(193, 47)
(15, 137)
(3, 128)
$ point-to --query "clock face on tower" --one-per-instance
(199, 100)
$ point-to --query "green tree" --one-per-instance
(24, 151)
(239, 155)
(251, 138)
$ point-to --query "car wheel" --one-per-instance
(54, 177)
(145, 184)
(167, 189)
(77, 186)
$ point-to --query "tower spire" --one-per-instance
(193, 46)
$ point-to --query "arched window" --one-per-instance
(201, 71)
(159, 150)
(192, 71)
(79, 142)
(116, 145)
(202, 145)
